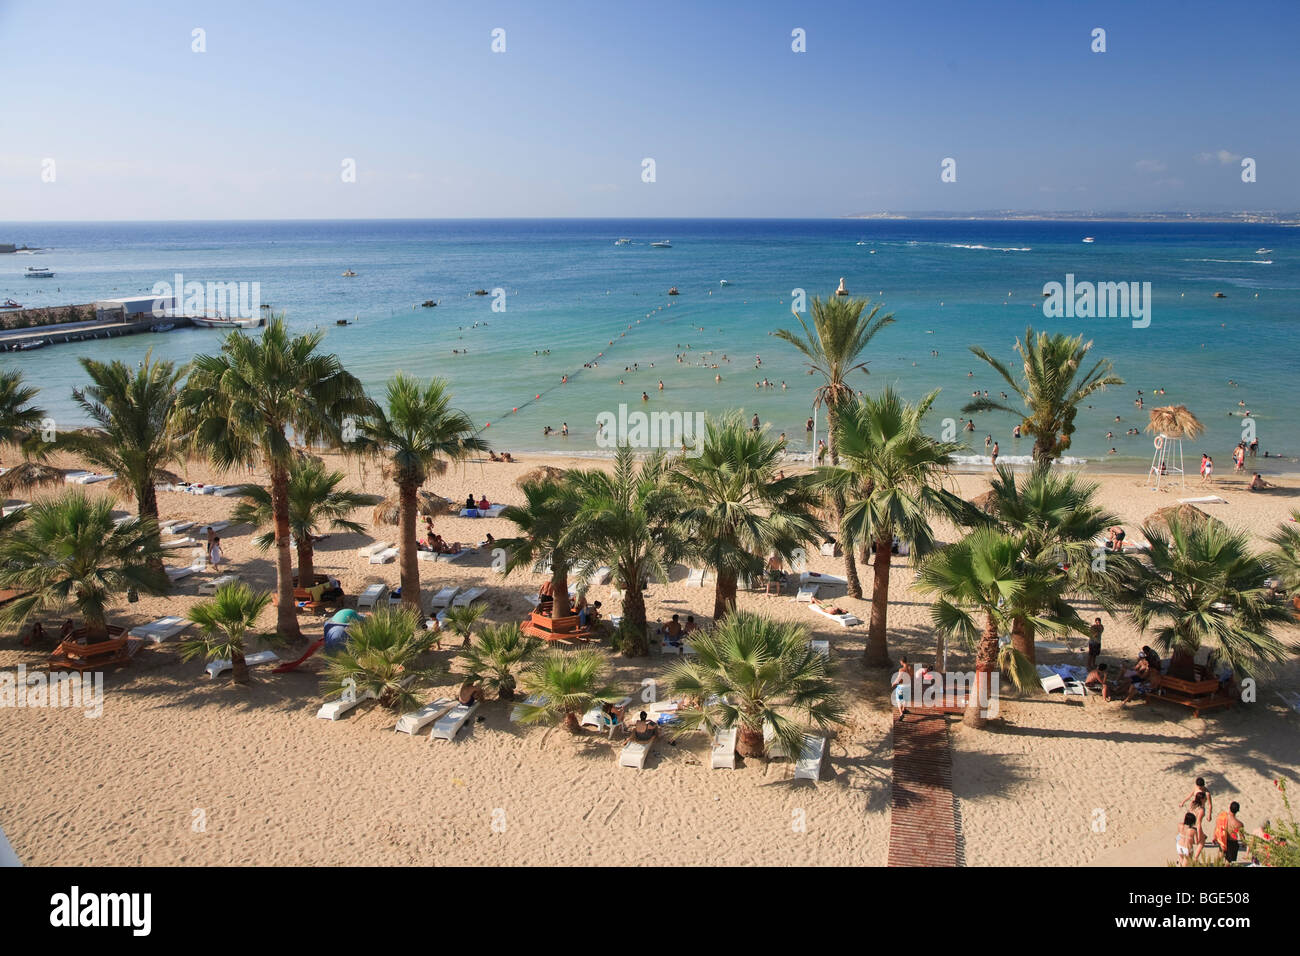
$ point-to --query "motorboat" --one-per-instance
(665, 244)
(38, 272)
(673, 291)
(349, 274)
(723, 282)
(162, 327)
(223, 323)
(28, 346)
(1089, 239)
(622, 242)
(10, 304)
(1262, 252)
(428, 304)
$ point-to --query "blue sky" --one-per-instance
(258, 126)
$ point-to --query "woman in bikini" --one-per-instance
(1186, 838)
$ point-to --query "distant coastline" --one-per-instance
(1251, 218)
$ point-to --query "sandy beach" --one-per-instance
(182, 770)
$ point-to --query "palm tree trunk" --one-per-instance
(724, 595)
(986, 662)
(851, 571)
(286, 614)
(571, 722)
(877, 651)
(850, 565)
(410, 573)
(1022, 637)
(559, 588)
(147, 509)
(634, 613)
(239, 667)
(749, 742)
(939, 653)
(307, 565)
(1043, 450)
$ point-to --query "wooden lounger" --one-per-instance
(448, 726)
(415, 721)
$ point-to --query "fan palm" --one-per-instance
(1285, 556)
(239, 406)
(68, 550)
(566, 684)
(380, 659)
(224, 623)
(752, 673)
(460, 621)
(1205, 588)
(20, 425)
(418, 434)
(316, 504)
(833, 348)
(546, 534)
(628, 518)
(891, 481)
(1052, 387)
(496, 654)
(736, 509)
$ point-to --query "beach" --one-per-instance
(180, 770)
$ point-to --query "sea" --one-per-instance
(575, 324)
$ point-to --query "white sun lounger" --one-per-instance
(696, 578)
(12, 509)
(634, 753)
(532, 700)
(813, 577)
(415, 721)
(422, 555)
(1070, 688)
(175, 543)
(452, 557)
(466, 598)
(372, 596)
(226, 491)
(384, 557)
(821, 647)
(1207, 500)
(374, 548)
(723, 755)
(596, 717)
(175, 574)
(843, 620)
(807, 592)
(217, 668)
(809, 764)
(215, 528)
(682, 649)
(334, 709)
(179, 527)
(210, 587)
(449, 724)
(163, 629)
(443, 598)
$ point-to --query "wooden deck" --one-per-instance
(923, 812)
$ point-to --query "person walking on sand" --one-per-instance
(1227, 832)
(994, 457)
(1200, 790)
(1186, 839)
(214, 553)
(1094, 643)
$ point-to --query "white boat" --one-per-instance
(349, 274)
(723, 282)
(162, 327)
(661, 245)
(622, 242)
(1089, 239)
(28, 346)
(1262, 252)
(222, 323)
(38, 272)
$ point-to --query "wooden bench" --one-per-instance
(557, 629)
(1199, 695)
(302, 597)
(77, 655)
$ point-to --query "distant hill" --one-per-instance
(1011, 215)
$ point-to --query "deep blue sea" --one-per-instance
(572, 294)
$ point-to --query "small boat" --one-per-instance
(1262, 252)
(622, 242)
(673, 291)
(723, 282)
(162, 327)
(1089, 239)
(223, 323)
(10, 304)
(861, 243)
(428, 304)
(38, 272)
(340, 321)
(349, 274)
(28, 346)
(1219, 295)
(661, 245)
(480, 291)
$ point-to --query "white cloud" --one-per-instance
(1223, 156)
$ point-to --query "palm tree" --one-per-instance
(1051, 387)
(736, 509)
(380, 659)
(239, 406)
(834, 347)
(20, 424)
(496, 654)
(546, 533)
(418, 435)
(1205, 587)
(1285, 556)
(629, 519)
(891, 482)
(566, 684)
(316, 504)
(980, 587)
(752, 673)
(68, 550)
(224, 623)
(460, 622)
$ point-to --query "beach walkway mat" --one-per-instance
(923, 812)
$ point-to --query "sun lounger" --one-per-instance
(452, 557)
(843, 620)
(596, 717)
(1206, 500)
(443, 597)
(1070, 688)
(384, 557)
(492, 511)
(226, 491)
(449, 724)
(723, 755)
(682, 649)
(821, 647)
(809, 764)
(814, 577)
(373, 548)
(466, 598)
(415, 721)
(217, 668)
(210, 587)
(216, 527)
(532, 700)
(422, 555)
(372, 597)
(696, 578)
(807, 592)
(334, 709)
(634, 753)
(175, 543)
(179, 527)
(163, 629)
(74, 477)
(175, 574)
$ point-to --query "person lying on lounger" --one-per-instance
(833, 609)
(642, 730)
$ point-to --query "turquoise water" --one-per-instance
(570, 290)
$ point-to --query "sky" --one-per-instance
(109, 112)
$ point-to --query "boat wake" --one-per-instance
(960, 245)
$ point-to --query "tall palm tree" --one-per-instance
(892, 482)
(628, 518)
(1052, 386)
(239, 407)
(20, 426)
(224, 623)
(316, 504)
(497, 654)
(736, 508)
(833, 348)
(1205, 588)
(752, 673)
(68, 550)
(545, 522)
(566, 684)
(980, 589)
(381, 658)
(418, 434)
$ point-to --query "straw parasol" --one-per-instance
(1174, 421)
(541, 473)
(1185, 514)
(28, 475)
(985, 501)
(427, 503)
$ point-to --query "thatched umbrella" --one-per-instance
(1174, 421)
(541, 473)
(121, 487)
(985, 501)
(1185, 514)
(27, 475)
(427, 503)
